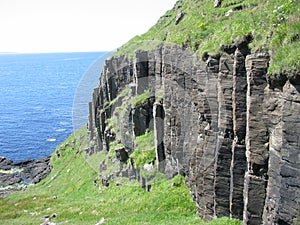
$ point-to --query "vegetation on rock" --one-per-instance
(144, 151)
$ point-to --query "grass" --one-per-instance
(113, 147)
(144, 151)
(113, 125)
(275, 25)
(71, 193)
(119, 107)
(139, 100)
(78, 200)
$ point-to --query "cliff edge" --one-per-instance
(222, 120)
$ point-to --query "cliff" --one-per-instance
(220, 120)
(227, 121)
(221, 113)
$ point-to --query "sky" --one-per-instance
(30, 26)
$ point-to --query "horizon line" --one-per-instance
(53, 52)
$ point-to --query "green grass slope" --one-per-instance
(274, 24)
(70, 192)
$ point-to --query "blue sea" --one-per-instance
(43, 99)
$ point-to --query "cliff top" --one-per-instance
(274, 25)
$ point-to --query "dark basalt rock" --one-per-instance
(20, 174)
(293, 76)
(276, 80)
(220, 120)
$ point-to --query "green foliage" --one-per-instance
(178, 180)
(138, 100)
(119, 105)
(286, 35)
(275, 25)
(70, 192)
(225, 221)
(113, 125)
(71, 180)
(124, 93)
(144, 151)
(112, 147)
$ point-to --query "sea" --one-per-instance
(43, 99)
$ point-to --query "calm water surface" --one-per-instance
(36, 100)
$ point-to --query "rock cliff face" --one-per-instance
(219, 120)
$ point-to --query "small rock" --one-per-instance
(53, 216)
(101, 221)
(33, 213)
(179, 18)
(217, 3)
(48, 223)
(148, 167)
(228, 12)
(207, 128)
(48, 218)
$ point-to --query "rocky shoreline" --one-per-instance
(15, 176)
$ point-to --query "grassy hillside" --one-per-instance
(274, 24)
(71, 193)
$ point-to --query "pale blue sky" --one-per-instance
(75, 25)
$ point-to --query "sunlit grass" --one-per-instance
(275, 25)
(71, 193)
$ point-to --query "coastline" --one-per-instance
(16, 176)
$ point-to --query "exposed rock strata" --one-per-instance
(17, 175)
(222, 122)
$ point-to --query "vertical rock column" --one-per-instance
(207, 153)
(177, 64)
(282, 202)
(257, 139)
(141, 71)
(223, 152)
(156, 88)
(158, 116)
(289, 206)
(93, 138)
(238, 163)
(197, 140)
(273, 108)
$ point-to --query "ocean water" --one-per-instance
(38, 94)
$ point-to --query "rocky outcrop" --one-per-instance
(18, 175)
(220, 120)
